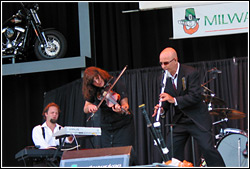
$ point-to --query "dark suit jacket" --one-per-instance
(189, 97)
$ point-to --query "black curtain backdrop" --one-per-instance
(137, 38)
(117, 39)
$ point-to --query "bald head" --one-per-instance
(168, 53)
(169, 60)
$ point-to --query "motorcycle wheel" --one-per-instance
(57, 46)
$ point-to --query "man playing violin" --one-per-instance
(117, 122)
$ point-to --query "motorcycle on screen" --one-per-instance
(23, 31)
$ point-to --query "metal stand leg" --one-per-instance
(239, 153)
(172, 141)
(193, 151)
(13, 59)
(171, 138)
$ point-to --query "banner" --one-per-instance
(210, 20)
(153, 5)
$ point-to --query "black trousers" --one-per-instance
(204, 139)
(123, 136)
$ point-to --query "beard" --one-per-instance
(53, 121)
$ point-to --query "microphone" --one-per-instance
(214, 70)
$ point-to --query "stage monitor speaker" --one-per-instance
(102, 157)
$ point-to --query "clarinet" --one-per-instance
(159, 141)
(157, 124)
(164, 80)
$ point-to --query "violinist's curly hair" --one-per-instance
(88, 89)
(46, 109)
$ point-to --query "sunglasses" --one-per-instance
(166, 63)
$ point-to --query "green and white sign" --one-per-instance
(210, 20)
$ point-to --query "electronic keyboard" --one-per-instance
(36, 153)
(78, 131)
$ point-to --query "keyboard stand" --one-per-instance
(55, 154)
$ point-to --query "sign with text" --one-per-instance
(210, 20)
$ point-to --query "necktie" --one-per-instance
(173, 82)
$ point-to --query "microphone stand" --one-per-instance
(214, 77)
(171, 129)
(203, 85)
(207, 89)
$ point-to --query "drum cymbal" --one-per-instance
(214, 100)
(227, 113)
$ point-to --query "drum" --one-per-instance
(233, 131)
(231, 148)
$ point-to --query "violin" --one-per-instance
(109, 90)
(112, 99)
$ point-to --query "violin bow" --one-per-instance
(104, 97)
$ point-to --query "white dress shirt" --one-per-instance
(49, 141)
(174, 79)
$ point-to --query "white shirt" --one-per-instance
(49, 141)
(175, 80)
(176, 74)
